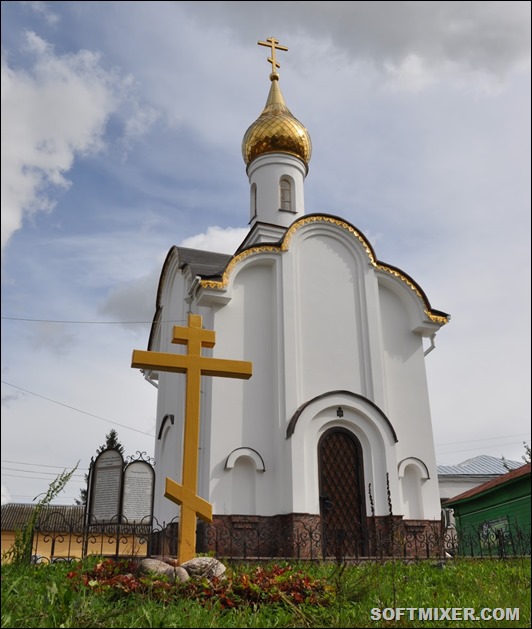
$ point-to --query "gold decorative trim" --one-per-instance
(327, 219)
(441, 319)
(221, 284)
(433, 317)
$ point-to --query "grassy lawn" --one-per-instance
(274, 595)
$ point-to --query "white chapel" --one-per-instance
(334, 426)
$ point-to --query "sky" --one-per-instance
(122, 125)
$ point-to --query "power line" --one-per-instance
(71, 321)
(14, 469)
(32, 496)
(499, 445)
(103, 419)
(84, 469)
(438, 445)
(26, 319)
(34, 477)
(452, 443)
(482, 447)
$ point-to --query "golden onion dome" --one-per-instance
(276, 130)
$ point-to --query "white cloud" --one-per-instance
(43, 9)
(411, 74)
(135, 301)
(50, 115)
(53, 337)
(492, 37)
(10, 397)
(219, 239)
(140, 120)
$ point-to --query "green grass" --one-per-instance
(342, 596)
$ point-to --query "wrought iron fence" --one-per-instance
(493, 540)
(56, 537)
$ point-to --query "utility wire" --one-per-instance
(103, 419)
(452, 443)
(437, 445)
(83, 322)
(32, 496)
(41, 465)
(35, 477)
(14, 469)
(501, 446)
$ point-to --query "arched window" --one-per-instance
(285, 189)
(253, 201)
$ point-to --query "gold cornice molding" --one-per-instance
(307, 220)
(221, 284)
(440, 319)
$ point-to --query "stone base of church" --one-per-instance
(393, 536)
(301, 536)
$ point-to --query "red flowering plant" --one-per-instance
(263, 585)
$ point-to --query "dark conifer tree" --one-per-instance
(111, 441)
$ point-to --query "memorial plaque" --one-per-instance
(137, 503)
(106, 487)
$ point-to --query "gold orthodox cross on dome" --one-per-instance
(194, 365)
(272, 43)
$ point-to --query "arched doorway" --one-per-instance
(342, 494)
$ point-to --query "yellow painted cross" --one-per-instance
(194, 365)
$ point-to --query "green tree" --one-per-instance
(526, 457)
(111, 441)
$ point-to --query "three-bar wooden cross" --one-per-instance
(194, 365)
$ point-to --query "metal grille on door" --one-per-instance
(342, 496)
